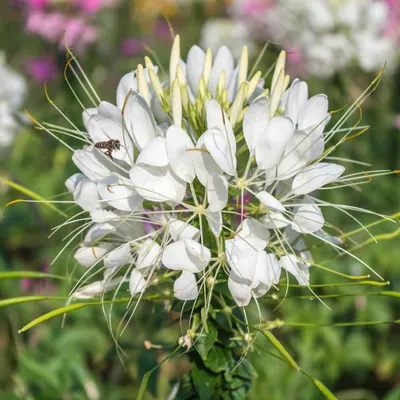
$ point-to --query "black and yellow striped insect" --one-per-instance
(109, 145)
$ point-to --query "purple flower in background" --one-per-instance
(38, 286)
(41, 69)
(162, 30)
(131, 47)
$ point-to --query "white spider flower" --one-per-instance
(324, 36)
(159, 195)
(12, 95)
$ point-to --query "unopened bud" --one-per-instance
(176, 102)
(207, 66)
(280, 64)
(155, 82)
(174, 58)
(243, 66)
(142, 84)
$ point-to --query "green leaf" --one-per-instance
(52, 314)
(30, 194)
(216, 360)
(206, 341)
(324, 390)
(204, 381)
(19, 300)
(30, 275)
(246, 370)
(281, 349)
(147, 375)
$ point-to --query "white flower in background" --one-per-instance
(12, 96)
(169, 199)
(228, 32)
(324, 36)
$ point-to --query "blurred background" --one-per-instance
(338, 46)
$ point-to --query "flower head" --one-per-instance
(159, 171)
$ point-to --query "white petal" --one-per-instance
(274, 268)
(275, 220)
(204, 164)
(233, 85)
(127, 82)
(270, 201)
(223, 62)
(297, 154)
(148, 254)
(154, 153)
(314, 113)
(103, 216)
(137, 283)
(255, 122)
(240, 292)
(297, 97)
(87, 196)
(271, 145)
(92, 164)
(217, 193)
(97, 231)
(317, 142)
(299, 270)
(308, 218)
(241, 258)
(96, 289)
(217, 144)
(254, 233)
(214, 220)
(194, 68)
(88, 256)
(217, 118)
(268, 269)
(139, 120)
(119, 194)
(178, 143)
(157, 183)
(186, 255)
(185, 287)
(86, 114)
(118, 257)
(315, 176)
(108, 110)
(180, 230)
(72, 182)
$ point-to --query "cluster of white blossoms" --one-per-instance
(12, 96)
(325, 36)
(209, 176)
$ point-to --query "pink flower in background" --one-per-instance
(94, 6)
(254, 7)
(131, 47)
(392, 28)
(41, 69)
(396, 121)
(51, 23)
(296, 61)
(49, 26)
(78, 34)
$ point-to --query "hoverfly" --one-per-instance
(109, 145)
